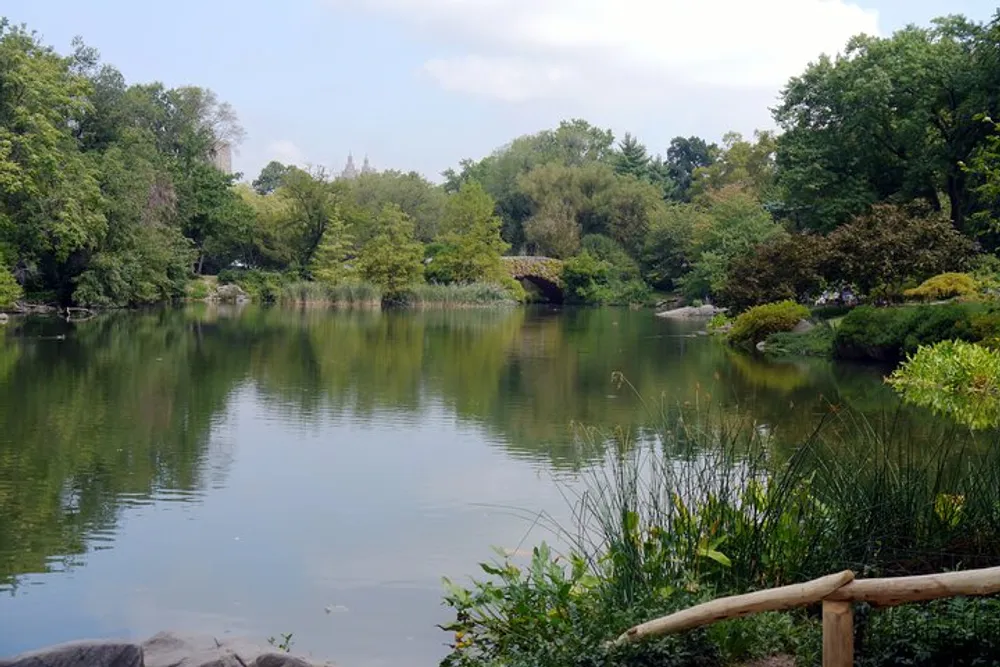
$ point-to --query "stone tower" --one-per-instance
(366, 168)
(221, 155)
(350, 171)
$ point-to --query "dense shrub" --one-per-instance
(954, 378)
(606, 249)
(653, 534)
(884, 250)
(262, 286)
(889, 334)
(760, 322)
(10, 290)
(957, 632)
(817, 342)
(788, 267)
(586, 279)
(943, 286)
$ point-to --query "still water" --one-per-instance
(260, 471)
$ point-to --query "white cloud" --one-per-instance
(286, 152)
(517, 50)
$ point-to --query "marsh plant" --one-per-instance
(706, 505)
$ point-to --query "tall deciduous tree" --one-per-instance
(270, 177)
(393, 258)
(471, 236)
(684, 156)
(893, 118)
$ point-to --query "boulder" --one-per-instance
(170, 650)
(692, 312)
(4, 318)
(804, 326)
(80, 654)
(163, 650)
(230, 293)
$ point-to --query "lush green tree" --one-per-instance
(734, 224)
(891, 119)
(784, 268)
(471, 236)
(329, 263)
(684, 156)
(270, 177)
(631, 158)
(624, 210)
(313, 205)
(669, 244)
(50, 200)
(422, 201)
(747, 164)
(10, 290)
(564, 204)
(393, 258)
(893, 247)
(574, 143)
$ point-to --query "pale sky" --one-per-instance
(421, 84)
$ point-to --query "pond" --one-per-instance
(263, 471)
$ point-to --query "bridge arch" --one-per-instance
(545, 273)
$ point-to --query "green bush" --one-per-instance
(606, 249)
(586, 279)
(889, 334)
(652, 536)
(943, 286)
(760, 322)
(957, 632)
(198, 290)
(817, 342)
(262, 286)
(10, 290)
(955, 378)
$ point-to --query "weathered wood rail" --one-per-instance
(837, 593)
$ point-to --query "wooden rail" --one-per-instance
(837, 593)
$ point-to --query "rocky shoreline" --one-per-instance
(162, 650)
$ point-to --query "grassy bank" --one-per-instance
(702, 508)
(284, 288)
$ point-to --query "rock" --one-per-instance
(80, 654)
(163, 650)
(692, 312)
(170, 650)
(4, 318)
(761, 346)
(804, 326)
(230, 293)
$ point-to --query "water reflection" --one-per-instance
(252, 467)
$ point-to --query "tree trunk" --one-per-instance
(201, 263)
(956, 196)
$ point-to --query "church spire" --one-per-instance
(350, 171)
(366, 168)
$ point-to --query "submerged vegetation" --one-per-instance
(701, 507)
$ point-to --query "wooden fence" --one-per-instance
(837, 593)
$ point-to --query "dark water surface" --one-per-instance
(269, 471)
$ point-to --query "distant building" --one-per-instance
(222, 156)
(351, 172)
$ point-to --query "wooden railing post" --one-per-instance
(838, 634)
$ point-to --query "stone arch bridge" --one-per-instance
(545, 273)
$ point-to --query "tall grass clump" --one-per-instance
(342, 295)
(702, 506)
(458, 295)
